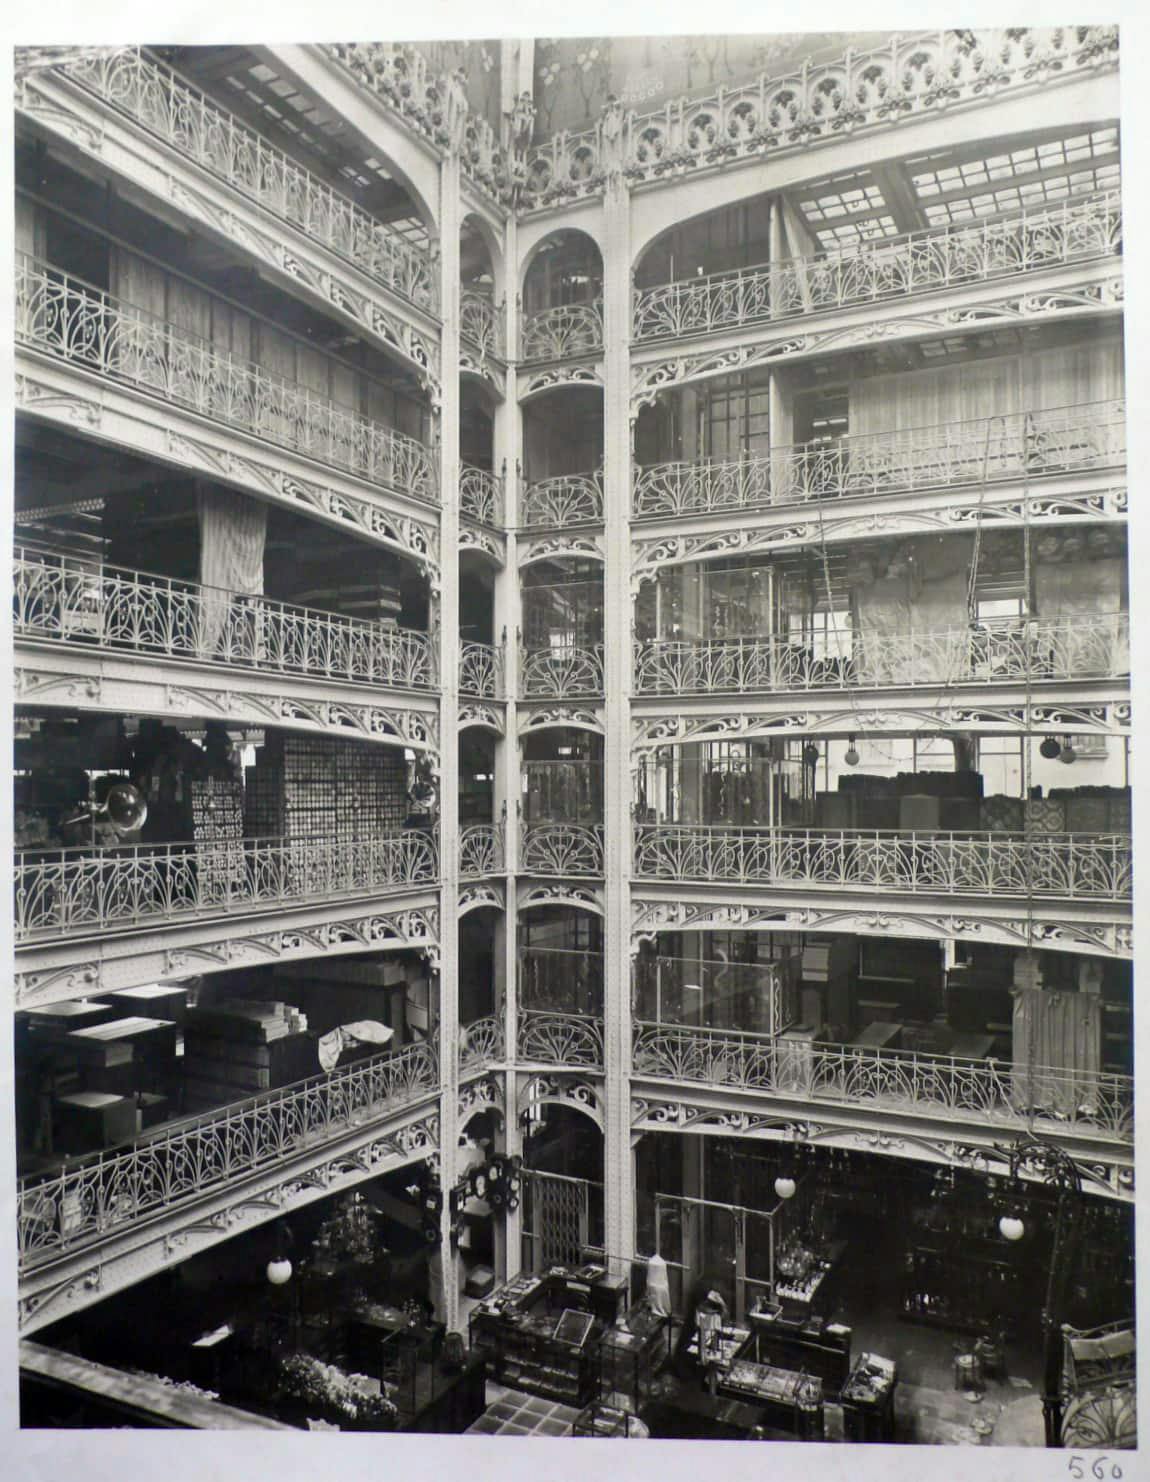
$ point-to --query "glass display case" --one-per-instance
(629, 1358)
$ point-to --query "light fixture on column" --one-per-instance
(1066, 752)
(1012, 1227)
(1050, 748)
(279, 1268)
(852, 753)
(785, 1186)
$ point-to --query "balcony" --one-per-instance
(1071, 867)
(481, 671)
(560, 1018)
(61, 600)
(1094, 646)
(481, 1044)
(481, 496)
(1076, 230)
(564, 332)
(85, 1203)
(562, 849)
(1016, 446)
(73, 321)
(199, 129)
(481, 322)
(61, 892)
(481, 851)
(562, 672)
(557, 503)
(569, 1040)
(999, 1094)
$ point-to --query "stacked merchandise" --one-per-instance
(218, 829)
(233, 1050)
(325, 787)
(1094, 809)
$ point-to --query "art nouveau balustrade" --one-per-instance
(61, 892)
(1011, 447)
(482, 1044)
(564, 332)
(1072, 867)
(564, 849)
(546, 1037)
(563, 672)
(60, 600)
(556, 503)
(86, 1202)
(200, 129)
(66, 318)
(481, 322)
(1034, 1098)
(481, 496)
(481, 851)
(1075, 230)
(481, 671)
(1093, 646)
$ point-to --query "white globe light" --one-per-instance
(785, 1187)
(279, 1270)
(1012, 1227)
(852, 757)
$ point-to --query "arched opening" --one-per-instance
(562, 298)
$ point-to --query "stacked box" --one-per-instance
(237, 1049)
(217, 806)
(320, 786)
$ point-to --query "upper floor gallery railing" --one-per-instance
(1010, 446)
(66, 600)
(1078, 229)
(481, 321)
(548, 1037)
(65, 317)
(567, 499)
(481, 850)
(563, 672)
(481, 671)
(562, 849)
(203, 131)
(482, 1044)
(63, 891)
(1072, 867)
(1091, 646)
(562, 332)
(481, 495)
(85, 1202)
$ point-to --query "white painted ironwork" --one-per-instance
(562, 332)
(482, 1044)
(481, 671)
(545, 1037)
(481, 495)
(910, 76)
(480, 850)
(1094, 867)
(481, 322)
(569, 499)
(1018, 445)
(999, 1092)
(562, 849)
(564, 672)
(69, 600)
(62, 316)
(1093, 646)
(203, 131)
(79, 1205)
(1075, 230)
(63, 891)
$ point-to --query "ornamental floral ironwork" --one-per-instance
(561, 673)
(548, 1038)
(67, 600)
(206, 133)
(62, 316)
(481, 496)
(1095, 1103)
(1075, 230)
(481, 671)
(62, 891)
(481, 322)
(482, 1043)
(481, 850)
(569, 499)
(562, 332)
(908, 77)
(81, 1204)
(1013, 446)
(1096, 867)
(562, 849)
(1094, 646)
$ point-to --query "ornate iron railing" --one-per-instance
(481, 851)
(481, 322)
(945, 1086)
(481, 671)
(565, 673)
(1093, 867)
(79, 1205)
(61, 891)
(64, 600)
(481, 495)
(1073, 230)
(1016, 445)
(1094, 646)
(570, 499)
(912, 75)
(206, 133)
(562, 849)
(482, 1043)
(562, 332)
(62, 316)
(547, 1038)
